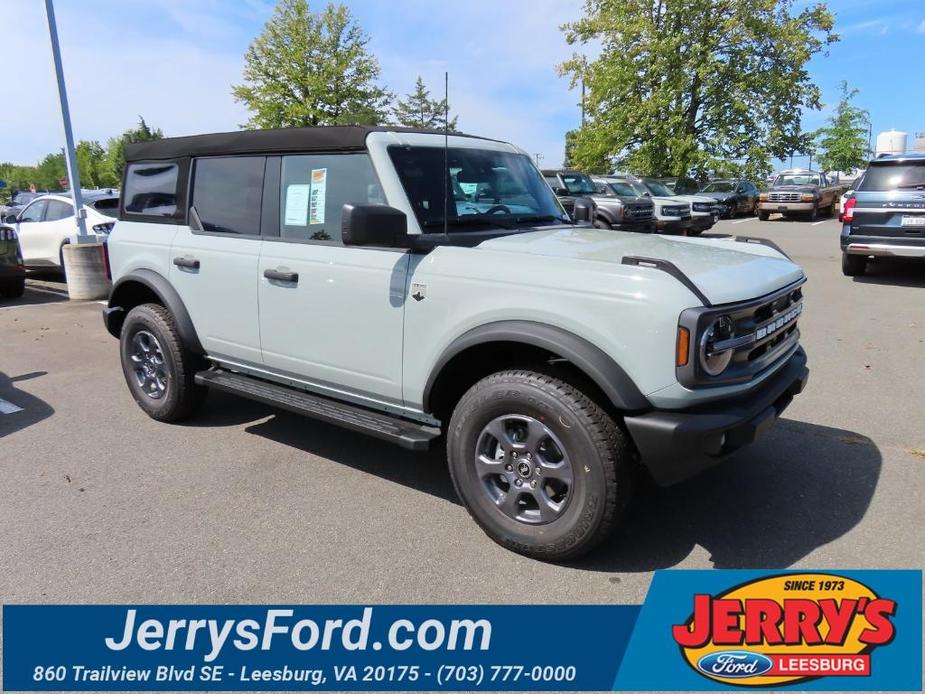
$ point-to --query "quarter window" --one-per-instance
(314, 189)
(151, 189)
(227, 194)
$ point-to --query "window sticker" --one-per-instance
(317, 197)
(297, 205)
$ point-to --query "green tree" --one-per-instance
(418, 110)
(93, 166)
(678, 87)
(842, 142)
(309, 69)
(114, 163)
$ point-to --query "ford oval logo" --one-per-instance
(734, 664)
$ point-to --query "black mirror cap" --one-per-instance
(584, 210)
(374, 225)
(9, 218)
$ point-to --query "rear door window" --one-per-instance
(58, 210)
(228, 192)
(151, 189)
(894, 177)
(314, 189)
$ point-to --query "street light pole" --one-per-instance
(70, 157)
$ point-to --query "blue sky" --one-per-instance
(173, 62)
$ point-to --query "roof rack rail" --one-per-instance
(762, 242)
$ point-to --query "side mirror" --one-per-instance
(9, 218)
(374, 225)
(561, 191)
(584, 207)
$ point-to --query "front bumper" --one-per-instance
(770, 206)
(675, 445)
(676, 225)
(702, 221)
(641, 225)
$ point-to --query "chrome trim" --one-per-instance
(886, 249)
(920, 210)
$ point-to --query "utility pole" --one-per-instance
(582, 102)
(537, 156)
(69, 155)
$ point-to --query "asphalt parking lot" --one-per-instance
(98, 503)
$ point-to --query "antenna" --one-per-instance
(446, 153)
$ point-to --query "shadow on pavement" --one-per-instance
(895, 272)
(800, 487)
(35, 295)
(33, 409)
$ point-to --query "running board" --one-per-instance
(416, 437)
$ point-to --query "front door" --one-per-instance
(31, 234)
(331, 316)
(213, 260)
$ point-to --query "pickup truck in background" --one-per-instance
(799, 191)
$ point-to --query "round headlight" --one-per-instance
(713, 362)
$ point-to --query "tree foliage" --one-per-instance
(98, 166)
(681, 85)
(308, 69)
(418, 110)
(842, 143)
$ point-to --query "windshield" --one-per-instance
(657, 188)
(106, 206)
(578, 184)
(804, 179)
(622, 188)
(719, 187)
(485, 186)
(894, 176)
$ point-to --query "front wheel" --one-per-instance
(157, 366)
(853, 265)
(814, 213)
(763, 215)
(601, 223)
(540, 467)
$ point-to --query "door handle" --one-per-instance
(281, 276)
(191, 263)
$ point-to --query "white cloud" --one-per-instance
(921, 27)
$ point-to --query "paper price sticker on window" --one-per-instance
(317, 196)
(296, 204)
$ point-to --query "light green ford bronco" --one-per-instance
(422, 289)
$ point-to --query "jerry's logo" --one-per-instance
(786, 629)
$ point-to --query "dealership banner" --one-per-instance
(827, 630)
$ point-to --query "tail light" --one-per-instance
(847, 215)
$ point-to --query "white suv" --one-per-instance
(417, 288)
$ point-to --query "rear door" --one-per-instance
(58, 226)
(331, 316)
(214, 257)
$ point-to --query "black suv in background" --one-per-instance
(886, 215)
(735, 196)
(12, 269)
(569, 185)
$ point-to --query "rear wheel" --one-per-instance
(157, 366)
(14, 289)
(540, 467)
(764, 215)
(853, 265)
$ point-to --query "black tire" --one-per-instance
(14, 289)
(853, 265)
(814, 213)
(694, 232)
(763, 215)
(601, 223)
(180, 396)
(596, 451)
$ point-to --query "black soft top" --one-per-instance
(334, 138)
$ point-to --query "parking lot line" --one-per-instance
(742, 221)
(8, 407)
(815, 224)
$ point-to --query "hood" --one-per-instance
(603, 200)
(797, 189)
(724, 271)
(720, 196)
(695, 198)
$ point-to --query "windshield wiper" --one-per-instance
(473, 219)
(538, 218)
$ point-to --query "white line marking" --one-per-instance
(8, 407)
(45, 290)
(815, 224)
(742, 221)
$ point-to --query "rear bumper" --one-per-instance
(675, 445)
(882, 246)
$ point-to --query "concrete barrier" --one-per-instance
(85, 269)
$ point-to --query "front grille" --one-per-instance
(674, 210)
(638, 212)
(703, 207)
(784, 197)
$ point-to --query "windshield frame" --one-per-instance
(528, 198)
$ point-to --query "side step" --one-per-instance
(416, 437)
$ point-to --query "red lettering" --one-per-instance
(698, 633)
(726, 630)
(762, 618)
(839, 617)
(801, 622)
(881, 630)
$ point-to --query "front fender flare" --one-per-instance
(114, 313)
(591, 360)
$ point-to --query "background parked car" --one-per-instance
(680, 185)
(735, 196)
(671, 216)
(704, 210)
(12, 269)
(800, 191)
(568, 185)
(19, 200)
(47, 223)
(621, 206)
(853, 186)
